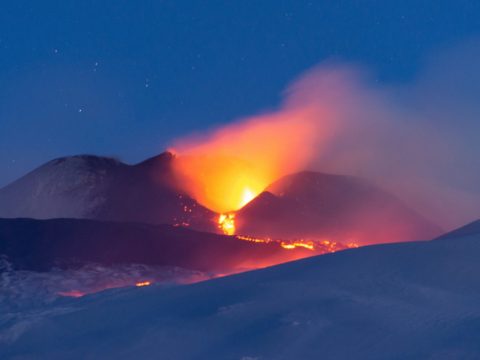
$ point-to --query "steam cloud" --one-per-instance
(418, 140)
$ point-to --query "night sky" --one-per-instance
(124, 78)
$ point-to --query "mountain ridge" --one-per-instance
(103, 188)
(306, 204)
(339, 207)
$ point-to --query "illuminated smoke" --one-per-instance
(418, 140)
(227, 168)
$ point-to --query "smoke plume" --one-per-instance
(417, 139)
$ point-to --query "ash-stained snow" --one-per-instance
(417, 300)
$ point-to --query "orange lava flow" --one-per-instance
(319, 247)
(289, 246)
(143, 283)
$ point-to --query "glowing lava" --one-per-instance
(319, 246)
(226, 222)
(290, 246)
(219, 182)
(143, 283)
(247, 196)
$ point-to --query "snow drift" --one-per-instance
(416, 300)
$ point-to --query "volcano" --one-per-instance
(305, 205)
(316, 205)
(93, 187)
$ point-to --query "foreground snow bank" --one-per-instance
(410, 300)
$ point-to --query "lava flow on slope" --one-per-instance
(226, 223)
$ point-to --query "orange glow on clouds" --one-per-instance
(336, 119)
(229, 167)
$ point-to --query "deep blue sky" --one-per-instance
(123, 78)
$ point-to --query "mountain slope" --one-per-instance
(41, 245)
(304, 205)
(342, 208)
(416, 300)
(102, 188)
(472, 229)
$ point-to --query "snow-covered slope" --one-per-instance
(417, 300)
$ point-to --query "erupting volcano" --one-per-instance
(229, 167)
(181, 180)
(295, 216)
(246, 187)
(252, 175)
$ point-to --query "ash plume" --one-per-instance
(417, 139)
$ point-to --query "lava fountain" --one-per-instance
(229, 167)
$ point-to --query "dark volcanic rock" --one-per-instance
(42, 244)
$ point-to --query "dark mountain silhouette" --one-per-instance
(341, 208)
(101, 188)
(303, 205)
(67, 243)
